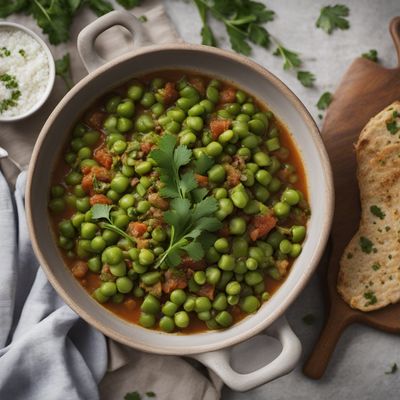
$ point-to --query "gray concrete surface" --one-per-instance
(357, 369)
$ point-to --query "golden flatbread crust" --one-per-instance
(369, 276)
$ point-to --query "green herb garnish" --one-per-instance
(10, 82)
(377, 212)
(324, 101)
(291, 59)
(392, 126)
(133, 396)
(371, 55)
(370, 296)
(63, 70)
(4, 52)
(306, 78)
(333, 17)
(142, 18)
(191, 213)
(376, 266)
(392, 370)
(22, 53)
(102, 211)
(366, 245)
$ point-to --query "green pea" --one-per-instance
(83, 204)
(138, 268)
(257, 126)
(185, 103)
(176, 114)
(281, 209)
(290, 196)
(189, 92)
(65, 243)
(150, 305)
(226, 262)
(222, 245)
(73, 178)
(143, 168)
(207, 105)
(148, 99)
(251, 264)
(224, 319)
(233, 108)
(124, 284)
(220, 193)
(112, 104)
(226, 136)
(241, 129)
(118, 298)
(88, 230)
(124, 124)
(296, 250)
(249, 304)
(253, 278)
(220, 302)
(202, 304)
(241, 96)
(212, 255)
(57, 191)
(126, 201)
(212, 94)
(233, 288)
(213, 275)
(263, 177)
(273, 144)
(143, 206)
(239, 247)
(285, 246)
(113, 137)
(112, 255)
(169, 308)
(275, 185)
(91, 138)
(167, 324)
(188, 139)
(110, 124)
(151, 278)
(196, 110)
(224, 114)
(67, 229)
(138, 292)
(256, 253)
(77, 144)
(77, 219)
(94, 264)
(135, 92)
(250, 141)
(173, 127)
(298, 233)
(216, 173)
(233, 300)
(262, 159)
(146, 257)
(120, 184)
(79, 130)
(147, 320)
(99, 296)
(126, 109)
(108, 289)
(204, 315)
(157, 109)
(178, 296)
(240, 198)
(119, 146)
(274, 238)
(189, 304)
(195, 123)
(237, 226)
(181, 319)
(214, 149)
(248, 108)
(98, 244)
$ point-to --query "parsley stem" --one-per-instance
(115, 229)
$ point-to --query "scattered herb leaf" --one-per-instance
(333, 17)
(370, 296)
(371, 55)
(377, 212)
(63, 70)
(22, 53)
(306, 78)
(4, 52)
(291, 59)
(324, 101)
(366, 245)
(10, 82)
(375, 266)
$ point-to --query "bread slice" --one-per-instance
(369, 276)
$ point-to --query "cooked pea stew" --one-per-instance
(180, 202)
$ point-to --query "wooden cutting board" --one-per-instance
(365, 89)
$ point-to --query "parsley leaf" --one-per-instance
(238, 40)
(259, 35)
(207, 34)
(306, 78)
(371, 55)
(333, 17)
(377, 212)
(8, 7)
(100, 7)
(370, 296)
(290, 58)
(393, 369)
(102, 211)
(63, 70)
(324, 101)
(366, 245)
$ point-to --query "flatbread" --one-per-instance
(369, 276)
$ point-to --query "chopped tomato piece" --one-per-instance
(87, 183)
(198, 84)
(86, 169)
(137, 229)
(261, 225)
(100, 199)
(207, 290)
(202, 180)
(79, 269)
(227, 95)
(170, 94)
(103, 157)
(218, 126)
(146, 147)
(101, 173)
(142, 243)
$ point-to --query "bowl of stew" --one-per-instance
(179, 198)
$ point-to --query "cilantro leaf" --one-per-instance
(203, 164)
(366, 245)
(290, 58)
(333, 17)
(259, 35)
(207, 34)
(306, 78)
(238, 40)
(194, 250)
(63, 70)
(100, 7)
(261, 11)
(377, 212)
(324, 101)
(8, 7)
(370, 296)
(371, 55)
(392, 126)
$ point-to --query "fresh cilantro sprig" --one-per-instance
(63, 70)
(324, 101)
(371, 55)
(102, 211)
(333, 17)
(190, 216)
(306, 78)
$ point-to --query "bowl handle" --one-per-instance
(88, 35)
(219, 361)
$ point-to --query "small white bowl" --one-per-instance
(52, 72)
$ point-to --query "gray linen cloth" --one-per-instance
(46, 351)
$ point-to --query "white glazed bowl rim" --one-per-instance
(52, 72)
(307, 270)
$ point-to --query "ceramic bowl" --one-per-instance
(52, 73)
(212, 348)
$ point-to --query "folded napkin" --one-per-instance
(46, 350)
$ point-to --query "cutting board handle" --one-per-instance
(395, 32)
(335, 324)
